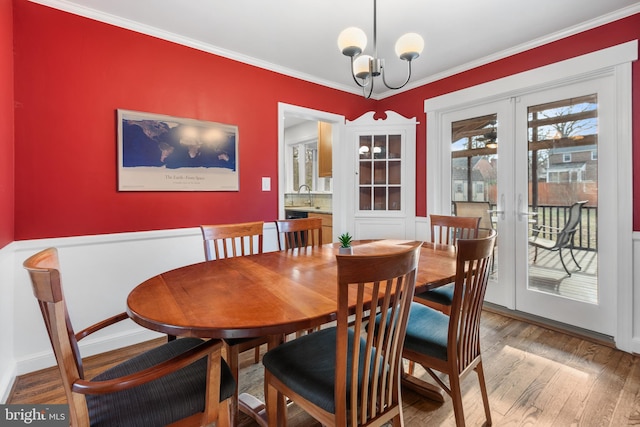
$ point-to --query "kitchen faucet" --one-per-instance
(308, 192)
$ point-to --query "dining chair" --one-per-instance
(184, 381)
(299, 232)
(450, 344)
(559, 238)
(231, 240)
(349, 374)
(476, 209)
(447, 230)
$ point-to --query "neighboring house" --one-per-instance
(572, 164)
(481, 173)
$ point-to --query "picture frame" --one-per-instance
(164, 153)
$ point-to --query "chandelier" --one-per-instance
(352, 41)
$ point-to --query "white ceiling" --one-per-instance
(298, 37)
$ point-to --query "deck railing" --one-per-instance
(555, 216)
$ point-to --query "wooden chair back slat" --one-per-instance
(299, 233)
(447, 229)
(390, 281)
(231, 240)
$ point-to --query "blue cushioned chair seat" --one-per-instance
(159, 402)
(427, 331)
(307, 365)
(442, 295)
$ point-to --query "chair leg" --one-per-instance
(483, 391)
(562, 261)
(574, 258)
(224, 416)
(256, 356)
(456, 398)
(276, 404)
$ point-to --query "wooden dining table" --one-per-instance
(270, 294)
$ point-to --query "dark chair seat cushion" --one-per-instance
(238, 341)
(159, 402)
(442, 295)
(307, 365)
(427, 331)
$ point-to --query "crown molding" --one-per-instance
(205, 47)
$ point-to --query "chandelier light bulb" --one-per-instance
(352, 41)
(361, 66)
(409, 46)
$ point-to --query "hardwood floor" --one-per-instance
(535, 376)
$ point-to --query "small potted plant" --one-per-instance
(345, 244)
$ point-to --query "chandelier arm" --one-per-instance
(384, 80)
(370, 89)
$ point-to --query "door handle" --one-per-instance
(498, 211)
(522, 213)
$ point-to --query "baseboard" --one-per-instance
(7, 379)
(584, 334)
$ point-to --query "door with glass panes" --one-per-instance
(382, 153)
(531, 167)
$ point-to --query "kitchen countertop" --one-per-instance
(310, 209)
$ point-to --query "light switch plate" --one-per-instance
(266, 183)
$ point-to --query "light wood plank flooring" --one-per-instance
(535, 377)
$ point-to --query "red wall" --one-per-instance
(71, 74)
(6, 124)
(411, 103)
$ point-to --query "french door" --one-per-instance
(526, 160)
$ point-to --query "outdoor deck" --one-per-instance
(547, 274)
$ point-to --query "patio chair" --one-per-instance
(484, 211)
(563, 236)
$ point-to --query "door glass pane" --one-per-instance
(474, 170)
(563, 170)
(380, 172)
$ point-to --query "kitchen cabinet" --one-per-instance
(327, 226)
(325, 147)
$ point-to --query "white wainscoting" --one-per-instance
(635, 340)
(98, 272)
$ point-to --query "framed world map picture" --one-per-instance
(164, 153)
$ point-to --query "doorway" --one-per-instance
(293, 115)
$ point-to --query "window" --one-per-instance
(566, 158)
(304, 167)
